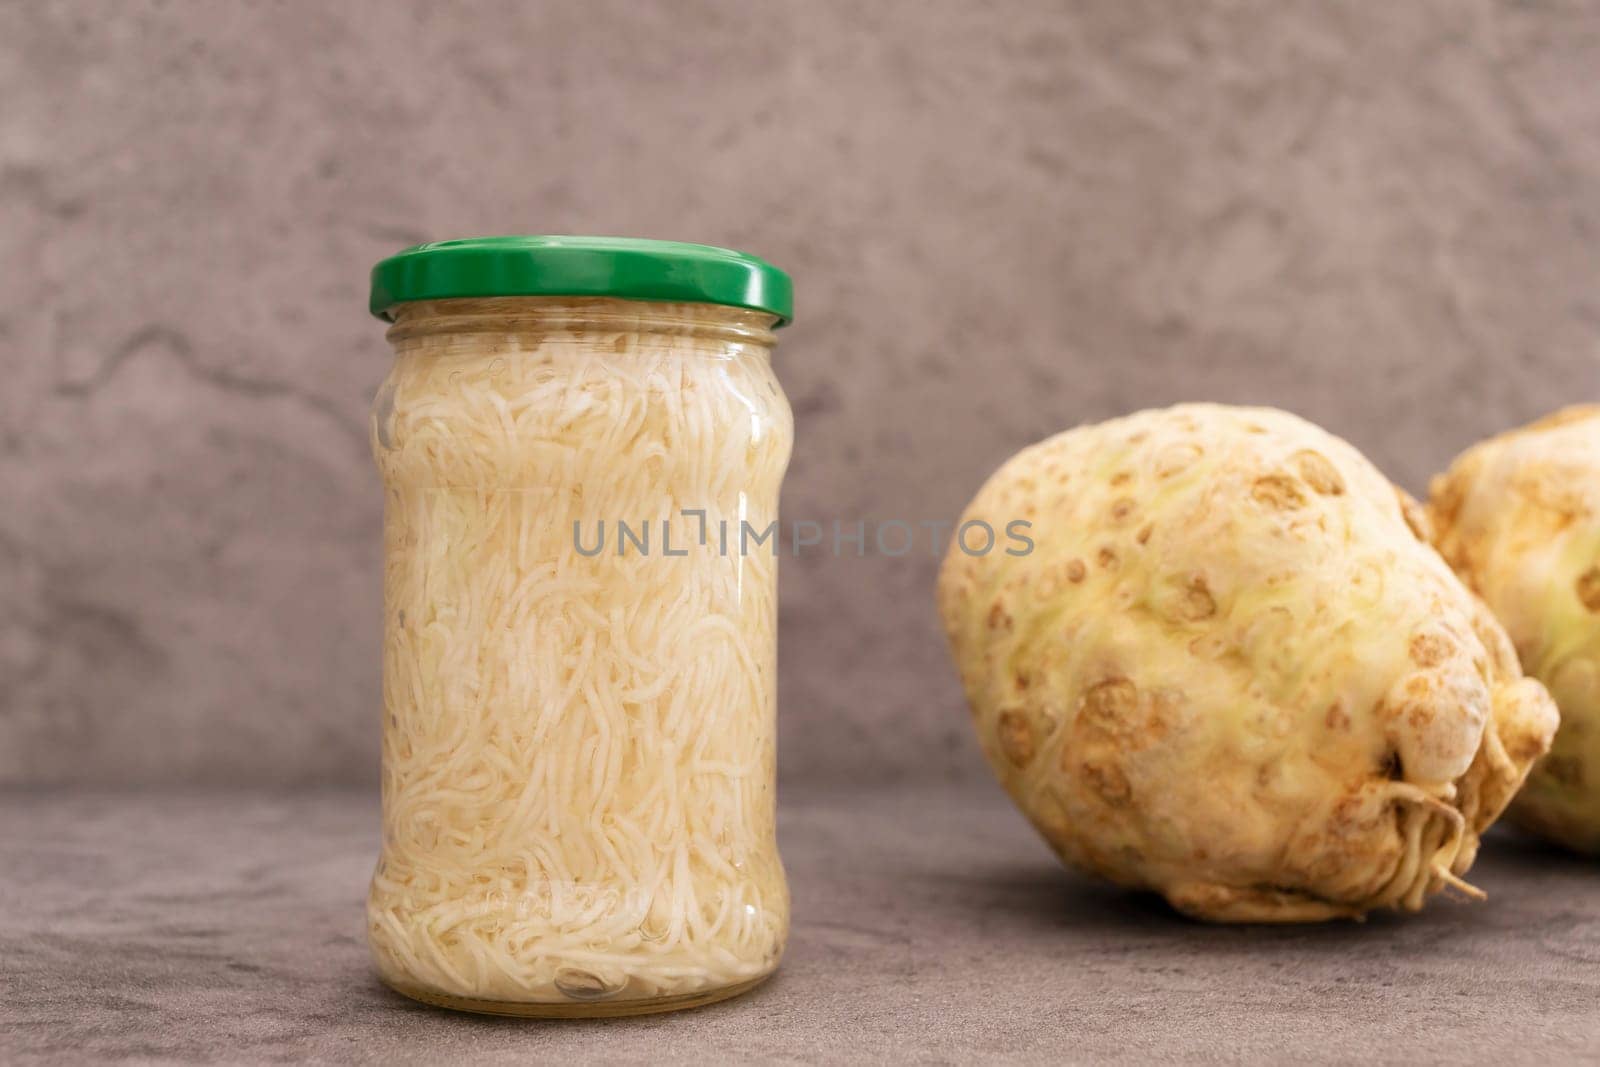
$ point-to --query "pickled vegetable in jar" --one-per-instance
(581, 444)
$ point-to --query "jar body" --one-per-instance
(579, 673)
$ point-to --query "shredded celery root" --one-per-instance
(578, 754)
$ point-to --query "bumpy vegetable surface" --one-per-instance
(1518, 516)
(1233, 671)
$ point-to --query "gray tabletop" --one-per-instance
(930, 925)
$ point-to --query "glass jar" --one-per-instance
(581, 443)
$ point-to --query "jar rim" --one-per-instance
(623, 267)
(500, 316)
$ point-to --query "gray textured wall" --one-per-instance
(1002, 220)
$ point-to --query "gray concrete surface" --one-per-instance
(1002, 218)
(931, 925)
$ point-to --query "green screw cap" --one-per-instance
(621, 267)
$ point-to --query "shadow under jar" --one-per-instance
(581, 444)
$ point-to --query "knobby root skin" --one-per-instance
(1518, 517)
(1234, 672)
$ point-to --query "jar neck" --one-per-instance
(579, 315)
